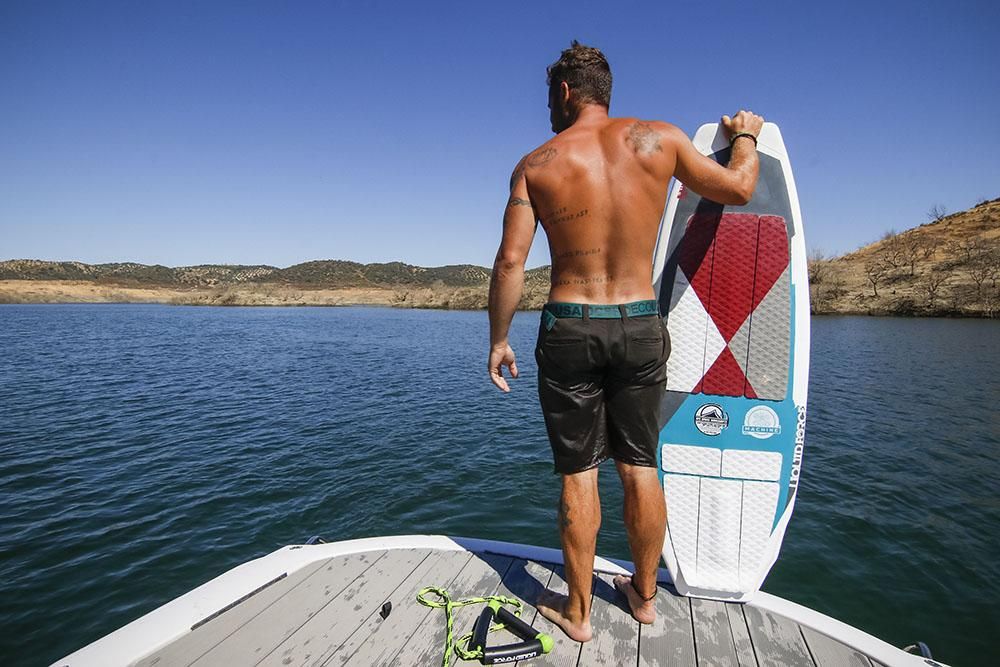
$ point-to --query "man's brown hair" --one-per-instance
(585, 70)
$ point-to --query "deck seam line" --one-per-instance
(242, 625)
(638, 635)
(496, 588)
(552, 569)
(694, 632)
(753, 645)
(593, 585)
(427, 613)
(638, 641)
(348, 638)
(732, 635)
(806, 642)
(330, 601)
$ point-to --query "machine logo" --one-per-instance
(711, 419)
(761, 422)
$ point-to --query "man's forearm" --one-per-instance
(745, 164)
(744, 156)
(506, 285)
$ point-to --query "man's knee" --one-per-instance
(583, 481)
(633, 475)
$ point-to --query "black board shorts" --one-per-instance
(601, 379)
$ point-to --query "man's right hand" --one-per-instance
(744, 121)
(501, 355)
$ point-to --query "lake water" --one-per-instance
(146, 449)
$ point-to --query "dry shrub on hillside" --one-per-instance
(937, 212)
(930, 285)
(876, 270)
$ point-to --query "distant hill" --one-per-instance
(949, 266)
(326, 273)
(130, 273)
(322, 282)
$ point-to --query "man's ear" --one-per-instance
(564, 93)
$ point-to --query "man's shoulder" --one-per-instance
(543, 154)
(658, 126)
(537, 157)
(534, 158)
(647, 137)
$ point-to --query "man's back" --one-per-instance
(598, 189)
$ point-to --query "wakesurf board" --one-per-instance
(732, 283)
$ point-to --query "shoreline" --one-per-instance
(949, 267)
(255, 294)
(274, 295)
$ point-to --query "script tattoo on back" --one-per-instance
(643, 138)
(563, 215)
(592, 280)
(579, 253)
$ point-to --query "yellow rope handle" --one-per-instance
(448, 605)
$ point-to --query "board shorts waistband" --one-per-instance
(601, 311)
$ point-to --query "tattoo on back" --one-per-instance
(579, 253)
(592, 280)
(561, 215)
(543, 156)
(644, 138)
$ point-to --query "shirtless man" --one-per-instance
(598, 188)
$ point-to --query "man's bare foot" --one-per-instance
(643, 611)
(551, 606)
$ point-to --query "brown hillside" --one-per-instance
(946, 267)
(317, 283)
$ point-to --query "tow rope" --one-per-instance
(472, 645)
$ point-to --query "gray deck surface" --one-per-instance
(328, 614)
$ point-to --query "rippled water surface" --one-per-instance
(146, 449)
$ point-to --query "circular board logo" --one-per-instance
(711, 419)
(761, 422)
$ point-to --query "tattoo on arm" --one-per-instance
(643, 138)
(543, 156)
(518, 172)
(517, 201)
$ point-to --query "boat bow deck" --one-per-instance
(323, 605)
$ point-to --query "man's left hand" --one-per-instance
(502, 355)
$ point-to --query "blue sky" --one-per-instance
(210, 132)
